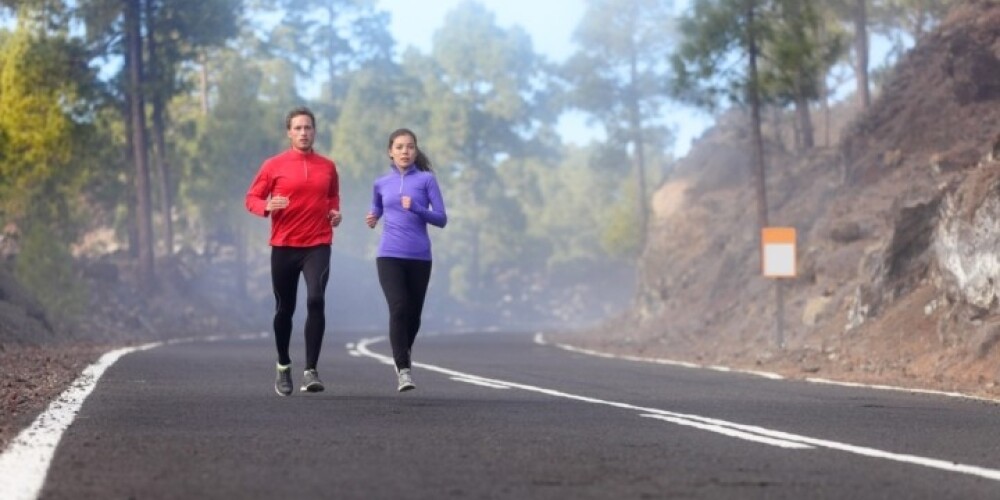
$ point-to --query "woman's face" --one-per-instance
(403, 151)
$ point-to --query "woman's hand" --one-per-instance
(371, 220)
(406, 201)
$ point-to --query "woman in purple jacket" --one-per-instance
(408, 197)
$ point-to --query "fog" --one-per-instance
(547, 224)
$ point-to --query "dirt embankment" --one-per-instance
(894, 222)
(42, 352)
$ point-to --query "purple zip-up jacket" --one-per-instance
(404, 232)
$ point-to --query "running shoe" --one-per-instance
(311, 382)
(283, 382)
(405, 380)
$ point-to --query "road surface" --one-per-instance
(499, 415)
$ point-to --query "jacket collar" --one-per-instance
(410, 169)
(295, 153)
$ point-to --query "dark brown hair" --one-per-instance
(422, 161)
(299, 111)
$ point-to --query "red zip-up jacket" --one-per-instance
(311, 184)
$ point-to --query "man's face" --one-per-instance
(301, 133)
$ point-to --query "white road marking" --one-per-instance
(479, 383)
(781, 443)
(540, 340)
(945, 465)
(25, 462)
(903, 389)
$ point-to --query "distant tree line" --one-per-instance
(151, 116)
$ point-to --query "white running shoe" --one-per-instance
(405, 380)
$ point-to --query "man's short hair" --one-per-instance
(299, 111)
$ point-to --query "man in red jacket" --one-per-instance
(299, 190)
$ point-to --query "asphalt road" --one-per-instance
(501, 416)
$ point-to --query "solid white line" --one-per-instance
(781, 443)
(540, 340)
(945, 465)
(25, 462)
(901, 389)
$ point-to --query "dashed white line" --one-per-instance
(781, 443)
(712, 424)
(481, 383)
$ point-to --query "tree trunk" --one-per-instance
(635, 123)
(144, 219)
(758, 154)
(132, 228)
(796, 132)
(779, 126)
(824, 90)
(805, 122)
(159, 125)
(753, 95)
(861, 52)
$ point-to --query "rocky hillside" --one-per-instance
(898, 235)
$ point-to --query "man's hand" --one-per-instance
(277, 202)
(334, 217)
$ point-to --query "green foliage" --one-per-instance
(796, 52)
(326, 40)
(42, 90)
(479, 92)
(620, 238)
(377, 103)
(619, 70)
(477, 101)
(182, 29)
(904, 21)
(706, 65)
(566, 205)
(45, 267)
(480, 86)
(231, 144)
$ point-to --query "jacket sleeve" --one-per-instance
(260, 190)
(434, 215)
(376, 207)
(333, 195)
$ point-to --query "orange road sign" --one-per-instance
(778, 252)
